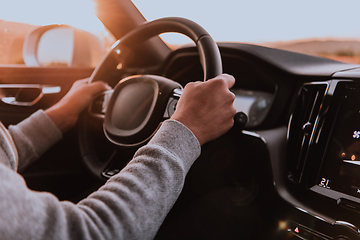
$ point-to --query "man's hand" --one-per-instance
(206, 108)
(66, 112)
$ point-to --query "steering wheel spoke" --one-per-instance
(99, 104)
(173, 100)
(118, 160)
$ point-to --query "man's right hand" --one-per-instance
(206, 108)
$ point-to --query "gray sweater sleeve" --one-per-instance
(131, 205)
(33, 137)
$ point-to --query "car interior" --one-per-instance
(290, 170)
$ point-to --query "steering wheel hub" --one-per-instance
(136, 107)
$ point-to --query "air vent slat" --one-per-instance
(302, 125)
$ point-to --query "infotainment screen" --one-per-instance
(339, 175)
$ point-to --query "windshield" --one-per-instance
(260, 21)
(324, 27)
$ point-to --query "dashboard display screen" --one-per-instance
(254, 104)
(340, 171)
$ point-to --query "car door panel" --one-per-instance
(62, 77)
(59, 170)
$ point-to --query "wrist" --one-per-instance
(191, 127)
(63, 120)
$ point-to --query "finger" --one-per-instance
(228, 79)
(84, 80)
(96, 87)
(79, 83)
(193, 83)
(102, 85)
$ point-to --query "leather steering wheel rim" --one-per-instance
(210, 59)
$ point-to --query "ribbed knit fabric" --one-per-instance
(131, 205)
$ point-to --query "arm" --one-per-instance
(133, 203)
(33, 137)
(41, 130)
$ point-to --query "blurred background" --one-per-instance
(324, 27)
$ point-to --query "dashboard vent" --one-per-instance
(302, 125)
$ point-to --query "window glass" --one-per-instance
(56, 47)
(17, 22)
(12, 36)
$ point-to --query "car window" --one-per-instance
(56, 46)
(12, 37)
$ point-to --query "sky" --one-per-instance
(254, 21)
(263, 20)
(78, 13)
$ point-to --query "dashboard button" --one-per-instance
(307, 128)
(306, 233)
(345, 203)
(110, 173)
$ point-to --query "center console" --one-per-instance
(323, 158)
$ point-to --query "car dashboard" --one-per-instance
(298, 156)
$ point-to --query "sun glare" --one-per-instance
(77, 13)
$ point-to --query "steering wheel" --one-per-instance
(132, 112)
